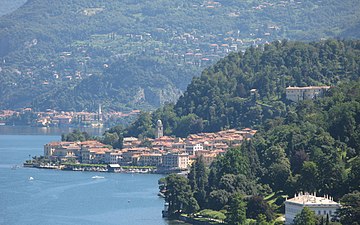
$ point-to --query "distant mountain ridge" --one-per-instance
(73, 55)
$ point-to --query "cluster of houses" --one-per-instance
(4, 115)
(164, 152)
(53, 118)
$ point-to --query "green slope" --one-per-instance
(44, 44)
(220, 98)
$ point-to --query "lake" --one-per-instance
(68, 197)
(8, 6)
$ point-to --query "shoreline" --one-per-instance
(94, 168)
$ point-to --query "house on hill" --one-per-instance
(297, 94)
(322, 206)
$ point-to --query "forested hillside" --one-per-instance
(310, 146)
(140, 54)
(220, 98)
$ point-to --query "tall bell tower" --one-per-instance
(160, 129)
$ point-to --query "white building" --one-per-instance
(192, 149)
(297, 94)
(115, 157)
(320, 205)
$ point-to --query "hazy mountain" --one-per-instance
(140, 54)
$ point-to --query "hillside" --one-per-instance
(51, 51)
(220, 98)
(311, 146)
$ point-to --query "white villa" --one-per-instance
(297, 94)
(320, 205)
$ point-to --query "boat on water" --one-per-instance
(14, 167)
(31, 178)
(98, 177)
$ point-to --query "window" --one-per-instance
(319, 212)
(324, 212)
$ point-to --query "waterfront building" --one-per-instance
(94, 155)
(175, 161)
(131, 155)
(149, 159)
(322, 206)
(115, 157)
(62, 150)
(297, 94)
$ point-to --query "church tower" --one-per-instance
(99, 113)
(160, 129)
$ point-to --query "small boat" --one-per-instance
(14, 167)
(98, 177)
(31, 178)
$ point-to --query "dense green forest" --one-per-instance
(73, 55)
(220, 98)
(310, 146)
(313, 148)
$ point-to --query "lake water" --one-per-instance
(68, 197)
(8, 6)
(54, 131)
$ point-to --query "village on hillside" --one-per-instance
(162, 154)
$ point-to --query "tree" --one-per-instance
(279, 173)
(258, 206)
(309, 176)
(189, 124)
(179, 195)
(261, 220)
(119, 131)
(350, 211)
(354, 176)
(234, 162)
(236, 213)
(75, 135)
(218, 199)
(305, 217)
(110, 138)
(201, 177)
(142, 126)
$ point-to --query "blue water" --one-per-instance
(67, 197)
(8, 6)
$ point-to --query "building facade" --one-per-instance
(322, 206)
(297, 94)
(191, 149)
(175, 161)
